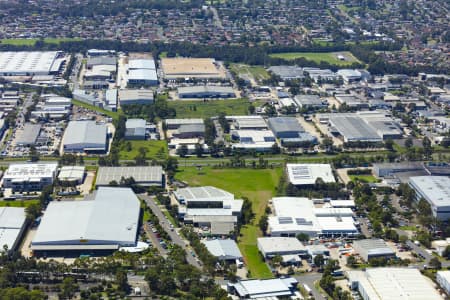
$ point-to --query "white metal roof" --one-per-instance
(141, 64)
(142, 175)
(204, 193)
(436, 189)
(111, 219)
(32, 62)
(85, 133)
(71, 173)
(398, 284)
(30, 171)
(223, 249)
(307, 174)
(142, 74)
(280, 244)
(257, 288)
(12, 219)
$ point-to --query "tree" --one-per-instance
(435, 263)
(198, 150)
(303, 237)
(34, 154)
(351, 261)
(122, 281)
(446, 252)
(33, 211)
(428, 150)
(408, 143)
(389, 144)
(183, 151)
(276, 261)
(263, 223)
(319, 261)
(68, 288)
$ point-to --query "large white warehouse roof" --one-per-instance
(23, 62)
(109, 221)
(307, 174)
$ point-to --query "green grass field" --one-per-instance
(258, 186)
(257, 72)
(155, 150)
(112, 114)
(329, 57)
(363, 178)
(200, 109)
(31, 42)
(18, 203)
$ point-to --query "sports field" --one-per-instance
(329, 57)
(155, 149)
(257, 185)
(31, 42)
(210, 108)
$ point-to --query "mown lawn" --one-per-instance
(329, 57)
(363, 178)
(18, 203)
(31, 42)
(210, 108)
(155, 149)
(258, 186)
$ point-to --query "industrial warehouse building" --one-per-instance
(278, 288)
(30, 63)
(142, 72)
(12, 226)
(436, 191)
(257, 140)
(146, 175)
(223, 250)
(176, 68)
(307, 174)
(101, 225)
(176, 123)
(371, 126)
(135, 129)
(140, 96)
(85, 136)
(310, 102)
(373, 248)
(273, 246)
(72, 174)
(389, 169)
(392, 283)
(290, 132)
(293, 216)
(209, 206)
(443, 279)
(29, 136)
(287, 72)
(206, 91)
(29, 177)
(248, 122)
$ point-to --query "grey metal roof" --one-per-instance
(287, 72)
(353, 128)
(374, 246)
(308, 100)
(142, 175)
(435, 189)
(142, 74)
(205, 89)
(191, 128)
(29, 135)
(135, 123)
(85, 133)
(102, 60)
(284, 124)
(111, 219)
(257, 288)
(141, 64)
(223, 249)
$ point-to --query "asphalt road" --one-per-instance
(309, 279)
(165, 224)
